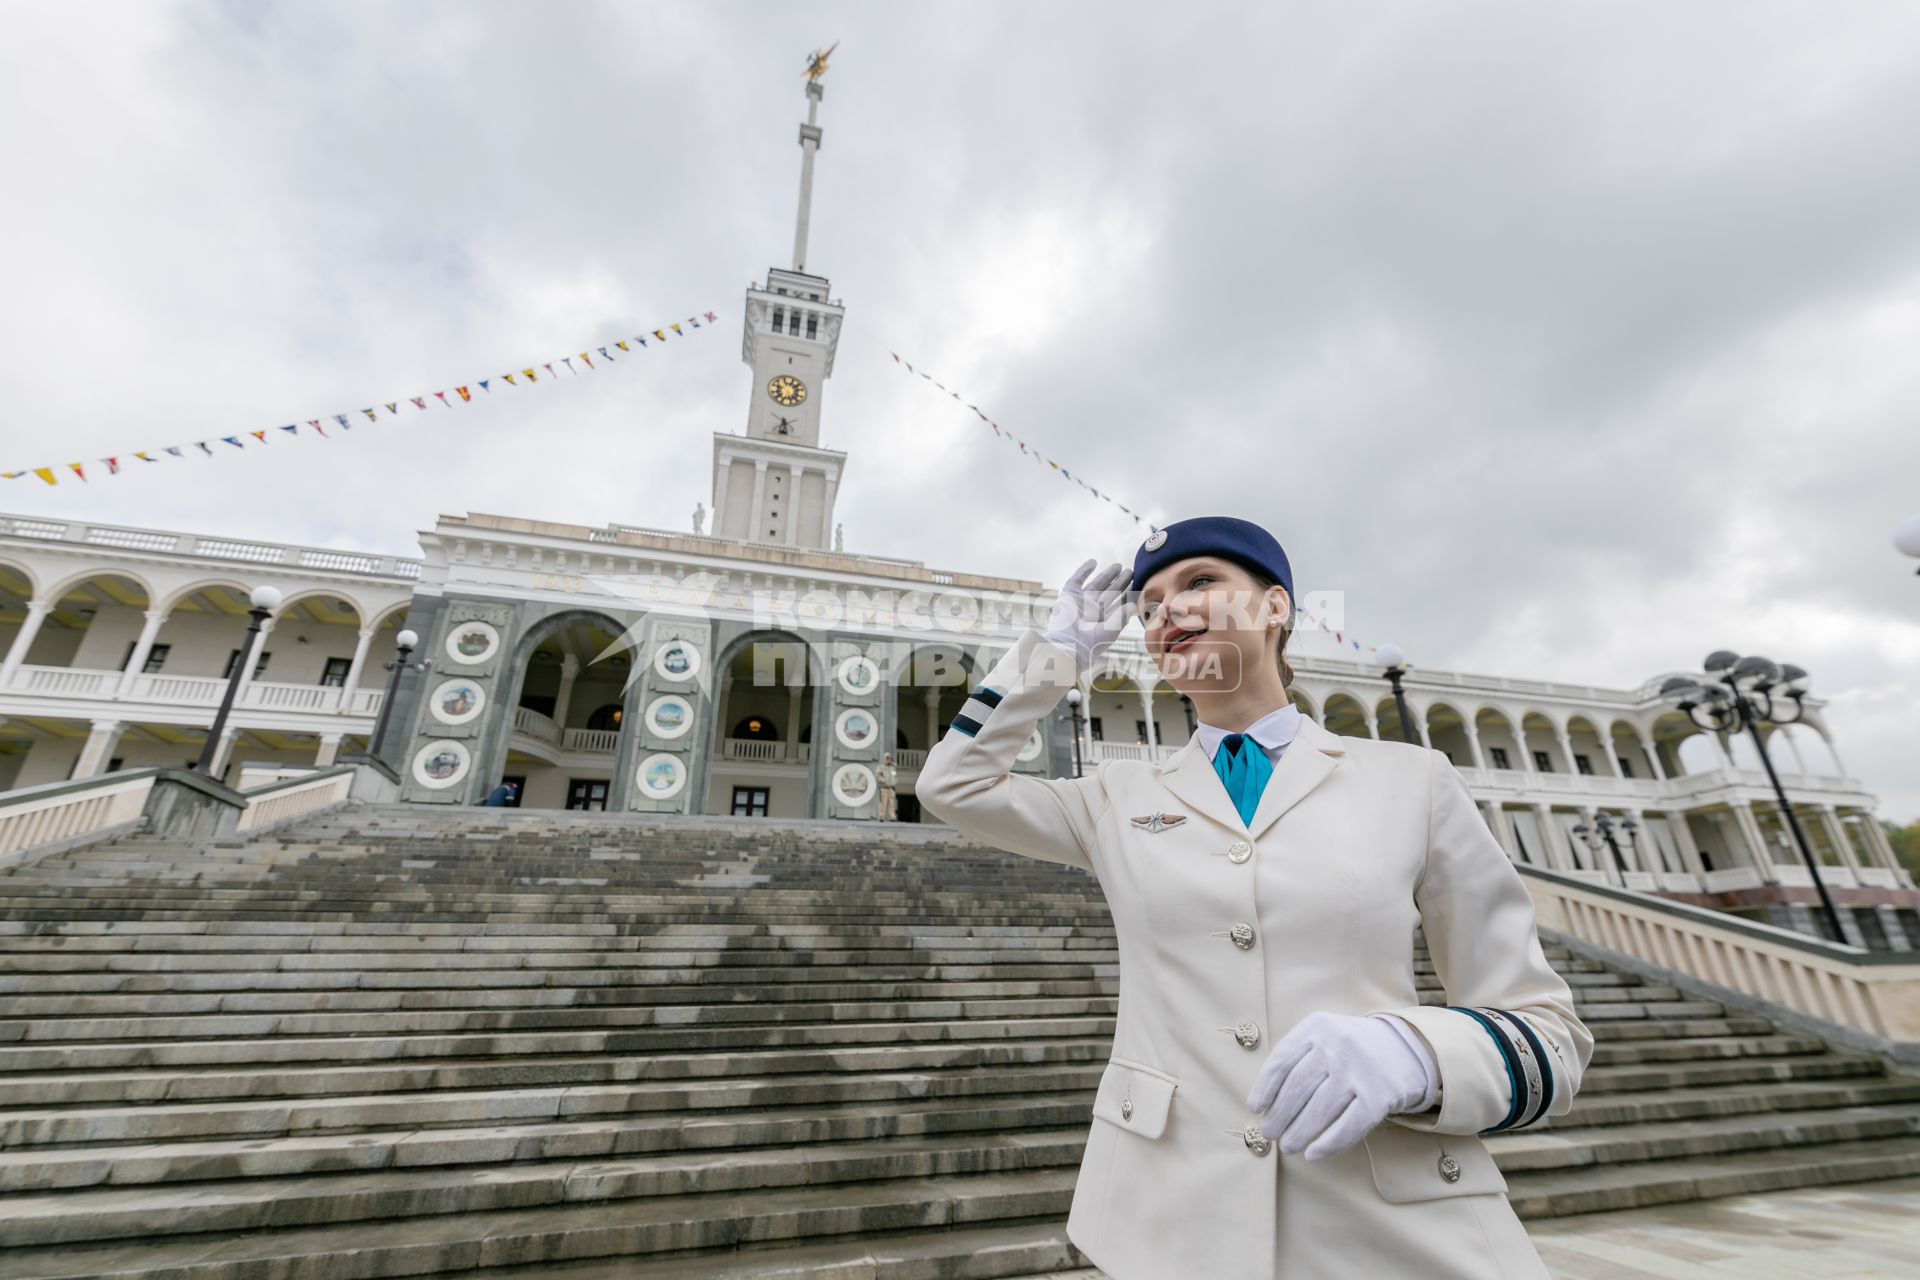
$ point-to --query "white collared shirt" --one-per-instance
(1273, 732)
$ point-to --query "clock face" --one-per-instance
(787, 390)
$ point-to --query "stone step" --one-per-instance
(60, 1059)
(1567, 1148)
(1653, 1106)
(538, 1221)
(1559, 1193)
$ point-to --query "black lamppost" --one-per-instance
(1906, 537)
(1073, 706)
(1605, 825)
(1390, 657)
(403, 643)
(1746, 692)
(264, 601)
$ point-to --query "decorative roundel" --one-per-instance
(677, 660)
(471, 643)
(457, 701)
(857, 674)
(441, 764)
(660, 776)
(854, 785)
(857, 728)
(1032, 748)
(670, 716)
(1155, 540)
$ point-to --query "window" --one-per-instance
(793, 322)
(335, 676)
(1500, 758)
(779, 318)
(1541, 762)
(233, 660)
(1626, 766)
(1140, 730)
(749, 802)
(813, 324)
(1583, 765)
(586, 793)
(1093, 727)
(156, 658)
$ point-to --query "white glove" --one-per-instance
(1333, 1077)
(1089, 615)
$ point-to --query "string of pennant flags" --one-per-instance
(465, 393)
(1064, 473)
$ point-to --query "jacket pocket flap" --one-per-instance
(1410, 1164)
(1135, 1097)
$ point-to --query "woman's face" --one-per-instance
(1207, 620)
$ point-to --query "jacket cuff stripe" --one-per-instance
(989, 696)
(965, 724)
(1546, 1068)
(1507, 1055)
(976, 710)
(1533, 1092)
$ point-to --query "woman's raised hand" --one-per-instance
(1090, 612)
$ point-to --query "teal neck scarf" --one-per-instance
(1244, 769)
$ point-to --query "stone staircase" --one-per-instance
(395, 1041)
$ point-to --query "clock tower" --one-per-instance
(776, 484)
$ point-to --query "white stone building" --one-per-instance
(757, 669)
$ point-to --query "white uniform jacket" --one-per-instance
(1228, 933)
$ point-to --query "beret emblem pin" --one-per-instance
(1155, 540)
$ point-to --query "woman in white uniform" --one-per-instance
(1277, 1101)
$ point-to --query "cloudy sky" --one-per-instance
(1567, 340)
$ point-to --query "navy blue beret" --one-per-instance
(1241, 541)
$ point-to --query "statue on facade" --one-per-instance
(840, 537)
(699, 518)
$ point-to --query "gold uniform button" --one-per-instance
(1239, 851)
(1449, 1168)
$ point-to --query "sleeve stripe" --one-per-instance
(989, 696)
(1546, 1068)
(976, 710)
(1507, 1056)
(965, 724)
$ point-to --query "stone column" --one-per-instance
(98, 751)
(1146, 709)
(1651, 751)
(141, 648)
(1473, 744)
(723, 473)
(826, 509)
(1559, 853)
(569, 671)
(352, 683)
(1756, 840)
(23, 639)
(1606, 749)
(1837, 835)
(796, 475)
(932, 699)
(329, 750)
(1565, 740)
(1520, 744)
(1684, 841)
(251, 659)
(791, 747)
(759, 500)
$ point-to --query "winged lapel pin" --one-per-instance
(1157, 822)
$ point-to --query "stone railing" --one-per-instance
(58, 812)
(290, 798)
(189, 691)
(199, 547)
(38, 821)
(1870, 999)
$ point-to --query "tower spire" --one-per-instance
(809, 143)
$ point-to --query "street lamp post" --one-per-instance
(1906, 537)
(403, 649)
(1746, 692)
(264, 601)
(1073, 706)
(1389, 656)
(1593, 840)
